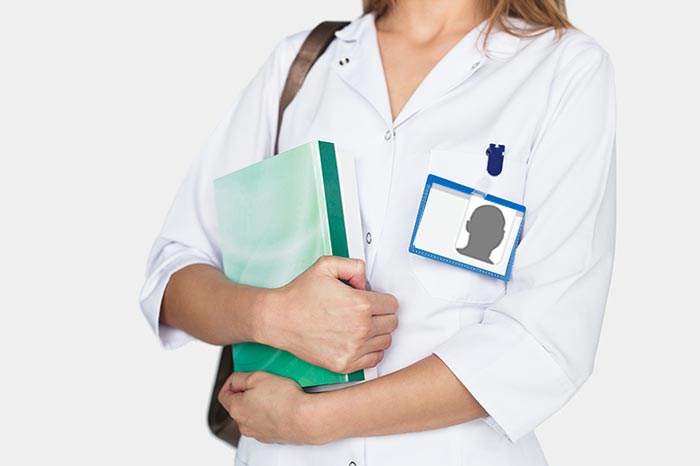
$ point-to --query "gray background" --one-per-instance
(102, 106)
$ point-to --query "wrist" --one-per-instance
(266, 317)
(316, 420)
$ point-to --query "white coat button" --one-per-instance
(368, 237)
(388, 134)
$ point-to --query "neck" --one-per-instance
(422, 21)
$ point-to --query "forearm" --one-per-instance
(423, 396)
(200, 300)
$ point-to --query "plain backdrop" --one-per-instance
(102, 106)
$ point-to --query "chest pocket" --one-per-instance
(448, 282)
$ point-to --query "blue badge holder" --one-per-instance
(510, 241)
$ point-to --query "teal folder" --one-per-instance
(276, 217)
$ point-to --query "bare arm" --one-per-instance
(425, 395)
(202, 301)
(316, 316)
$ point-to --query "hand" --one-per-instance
(325, 322)
(267, 407)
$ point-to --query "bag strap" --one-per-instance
(220, 422)
(313, 47)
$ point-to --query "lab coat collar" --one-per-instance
(500, 44)
(358, 62)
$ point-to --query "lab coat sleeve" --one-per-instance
(535, 346)
(189, 234)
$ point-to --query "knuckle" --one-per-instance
(340, 366)
(342, 369)
(363, 305)
(358, 325)
(364, 329)
(337, 364)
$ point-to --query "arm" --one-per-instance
(395, 403)
(201, 300)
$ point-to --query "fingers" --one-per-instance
(238, 382)
(378, 343)
(383, 303)
(342, 268)
(233, 389)
(384, 324)
(370, 359)
(228, 397)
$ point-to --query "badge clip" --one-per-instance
(495, 162)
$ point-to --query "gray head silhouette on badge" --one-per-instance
(486, 231)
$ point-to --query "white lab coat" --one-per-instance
(522, 348)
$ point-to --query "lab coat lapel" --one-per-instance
(364, 72)
(359, 64)
(456, 66)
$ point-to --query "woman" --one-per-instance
(469, 365)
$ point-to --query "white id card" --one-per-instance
(461, 226)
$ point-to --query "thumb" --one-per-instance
(233, 389)
(351, 271)
(237, 382)
(229, 399)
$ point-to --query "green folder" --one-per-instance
(276, 217)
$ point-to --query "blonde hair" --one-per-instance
(540, 15)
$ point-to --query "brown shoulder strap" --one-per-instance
(220, 423)
(313, 47)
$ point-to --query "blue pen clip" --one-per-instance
(495, 162)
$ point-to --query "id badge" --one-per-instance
(464, 227)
